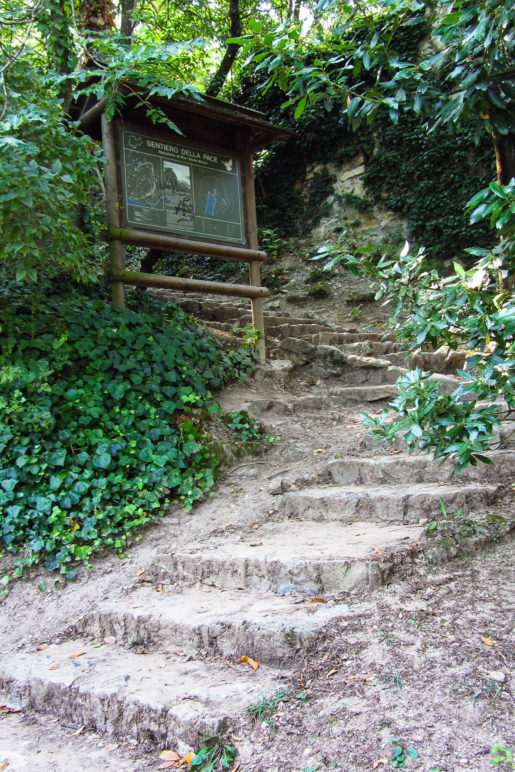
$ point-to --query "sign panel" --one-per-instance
(174, 186)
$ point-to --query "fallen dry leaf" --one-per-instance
(318, 600)
(6, 764)
(378, 762)
(333, 671)
(140, 571)
(379, 552)
(74, 656)
(79, 730)
(169, 756)
(235, 738)
(487, 641)
(54, 667)
(256, 544)
(236, 767)
(4, 710)
(188, 758)
(159, 588)
(42, 647)
(320, 450)
(252, 662)
(255, 526)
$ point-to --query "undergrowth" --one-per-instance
(102, 421)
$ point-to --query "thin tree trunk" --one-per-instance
(149, 261)
(126, 22)
(219, 78)
(296, 11)
(504, 156)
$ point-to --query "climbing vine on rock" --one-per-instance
(427, 178)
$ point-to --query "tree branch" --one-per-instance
(218, 79)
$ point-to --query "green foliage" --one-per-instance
(399, 754)
(102, 421)
(216, 753)
(502, 755)
(270, 241)
(47, 170)
(188, 265)
(473, 309)
(427, 178)
(264, 709)
(369, 67)
(242, 425)
(319, 291)
(275, 278)
(249, 335)
(359, 203)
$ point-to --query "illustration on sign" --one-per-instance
(181, 188)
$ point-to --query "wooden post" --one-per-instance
(116, 248)
(258, 317)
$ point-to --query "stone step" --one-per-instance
(382, 503)
(221, 623)
(364, 393)
(332, 361)
(293, 557)
(293, 328)
(153, 699)
(408, 469)
(362, 342)
(335, 337)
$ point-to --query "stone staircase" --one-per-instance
(156, 660)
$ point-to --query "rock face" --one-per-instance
(348, 179)
(330, 517)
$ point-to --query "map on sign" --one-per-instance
(177, 187)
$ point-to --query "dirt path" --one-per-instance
(310, 560)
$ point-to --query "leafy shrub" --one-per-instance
(47, 174)
(100, 421)
(473, 309)
(425, 177)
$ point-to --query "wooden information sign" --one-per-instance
(178, 187)
(189, 192)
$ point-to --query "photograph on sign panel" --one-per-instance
(217, 201)
(178, 195)
(143, 180)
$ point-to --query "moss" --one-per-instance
(465, 535)
(319, 291)
(366, 296)
(499, 520)
(290, 636)
(231, 451)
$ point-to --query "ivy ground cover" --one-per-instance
(97, 432)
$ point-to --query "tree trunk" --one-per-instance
(97, 15)
(218, 79)
(149, 261)
(504, 156)
(126, 23)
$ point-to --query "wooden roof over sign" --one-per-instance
(208, 120)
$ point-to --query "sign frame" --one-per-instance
(187, 189)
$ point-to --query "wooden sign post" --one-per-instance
(191, 192)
